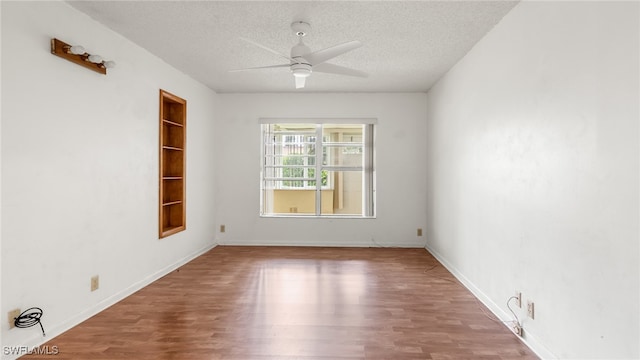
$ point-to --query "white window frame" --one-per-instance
(367, 168)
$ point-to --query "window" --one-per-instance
(317, 169)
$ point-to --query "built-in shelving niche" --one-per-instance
(173, 128)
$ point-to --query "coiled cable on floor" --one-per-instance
(29, 318)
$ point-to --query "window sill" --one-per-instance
(302, 216)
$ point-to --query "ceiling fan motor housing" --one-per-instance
(299, 66)
(299, 51)
(301, 70)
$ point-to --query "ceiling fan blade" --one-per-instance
(265, 48)
(261, 67)
(321, 56)
(340, 70)
(300, 81)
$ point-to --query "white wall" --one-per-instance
(80, 169)
(533, 173)
(1, 307)
(400, 155)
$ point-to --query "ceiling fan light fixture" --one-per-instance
(301, 72)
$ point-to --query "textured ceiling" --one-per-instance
(407, 45)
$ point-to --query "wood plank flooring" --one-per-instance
(296, 303)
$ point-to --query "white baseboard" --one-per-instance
(58, 329)
(322, 244)
(529, 339)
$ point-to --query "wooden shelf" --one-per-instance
(173, 119)
(171, 230)
(169, 122)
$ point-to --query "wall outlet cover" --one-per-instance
(517, 329)
(12, 315)
(95, 283)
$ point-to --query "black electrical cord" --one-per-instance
(29, 318)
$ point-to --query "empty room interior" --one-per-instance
(320, 180)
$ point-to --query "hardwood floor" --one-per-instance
(296, 303)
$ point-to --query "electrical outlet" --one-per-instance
(222, 228)
(517, 329)
(95, 283)
(530, 310)
(13, 314)
(419, 232)
(519, 299)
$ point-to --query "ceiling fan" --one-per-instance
(303, 61)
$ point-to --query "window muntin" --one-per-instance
(298, 180)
